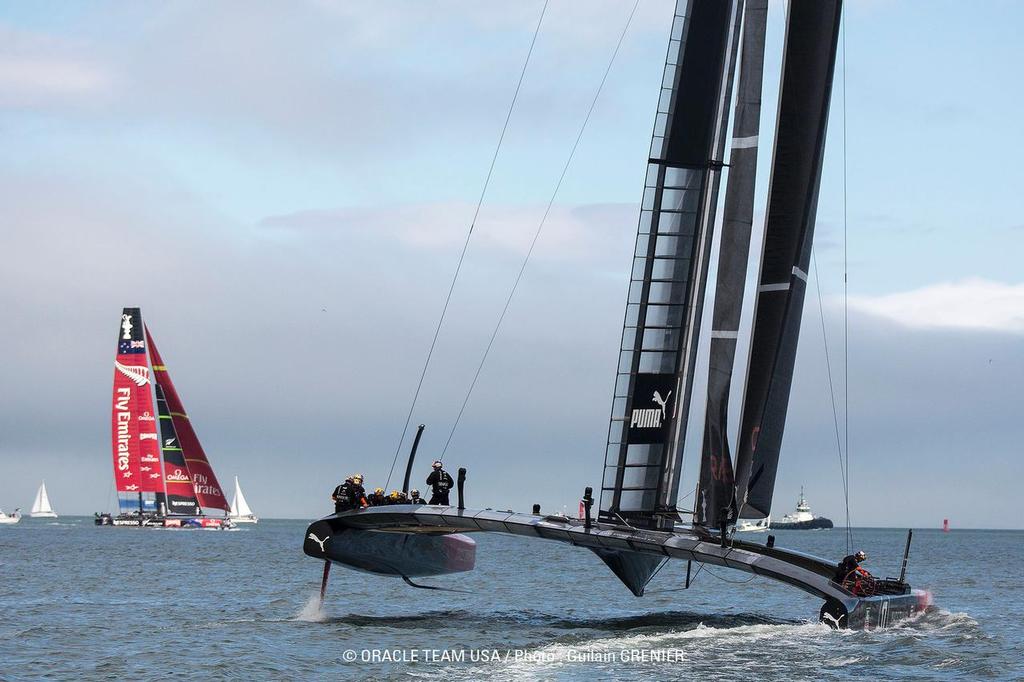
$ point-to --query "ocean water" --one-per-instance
(79, 601)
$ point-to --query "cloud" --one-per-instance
(37, 69)
(35, 77)
(570, 232)
(974, 303)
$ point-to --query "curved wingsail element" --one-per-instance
(716, 486)
(643, 459)
(812, 36)
(133, 426)
(184, 443)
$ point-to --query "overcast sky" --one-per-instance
(284, 189)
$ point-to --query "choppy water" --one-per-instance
(80, 601)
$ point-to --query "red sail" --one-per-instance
(204, 482)
(133, 424)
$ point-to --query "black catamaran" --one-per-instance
(639, 524)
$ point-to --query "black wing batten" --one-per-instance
(655, 372)
(716, 482)
(812, 35)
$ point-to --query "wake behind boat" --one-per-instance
(162, 480)
(41, 505)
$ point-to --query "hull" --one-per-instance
(10, 520)
(133, 521)
(404, 555)
(43, 515)
(869, 613)
(407, 540)
(244, 519)
(814, 524)
(747, 527)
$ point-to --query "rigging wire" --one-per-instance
(726, 580)
(465, 245)
(832, 394)
(846, 306)
(540, 227)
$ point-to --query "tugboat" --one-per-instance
(802, 518)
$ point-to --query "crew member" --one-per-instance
(350, 494)
(378, 498)
(440, 482)
(850, 575)
(397, 497)
(414, 497)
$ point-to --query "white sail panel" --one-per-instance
(41, 505)
(240, 509)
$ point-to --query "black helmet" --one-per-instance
(414, 492)
(861, 555)
(437, 464)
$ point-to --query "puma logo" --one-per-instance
(663, 402)
(831, 620)
(319, 541)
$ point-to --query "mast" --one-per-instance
(812, 35)
(716, 485)
(643, 459)
(181, 446)
(133, 429)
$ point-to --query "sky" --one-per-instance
(284, 188)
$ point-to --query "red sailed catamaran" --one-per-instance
(162, 475)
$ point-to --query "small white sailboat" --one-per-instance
(753, 526)
(240, 511)
(41, 508)
(12, 518)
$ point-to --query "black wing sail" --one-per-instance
(716, 482)
(812, 35)
(655, 374)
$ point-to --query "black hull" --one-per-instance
(874, 612)
(405, 555)
(404, 540)
(818, 523)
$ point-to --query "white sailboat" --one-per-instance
(41, 508)
(240, 511)
(13, 518)
(753, 526)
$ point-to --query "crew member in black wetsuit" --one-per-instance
(414, 497)
(850, 575)
(350, 494)
(378, 498)
(440, 482)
